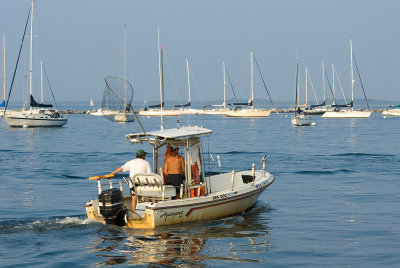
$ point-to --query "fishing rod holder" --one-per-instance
(264, 162)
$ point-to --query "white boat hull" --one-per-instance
(159, 113)
(392, 112)
(214, 111)
(302, 120)
(103, 112)
(216, 204)
(21, 121)
(347, 114)
(248, 113)
(124, 117)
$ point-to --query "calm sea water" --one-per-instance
(334, 203)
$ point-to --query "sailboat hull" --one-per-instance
(248, 113)
(34, 121)
(159, 113)
(124, 117)
(347, 114)
(302, 120)
(392, 112)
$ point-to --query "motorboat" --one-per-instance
(201, 197)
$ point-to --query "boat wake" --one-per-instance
(44, 224)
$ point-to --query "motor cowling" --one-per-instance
(111, 202)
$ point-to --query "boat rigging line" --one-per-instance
(359, 76)
(262, 78)
(48, 82)
(230, 82)
(329, 84)
(16, 65)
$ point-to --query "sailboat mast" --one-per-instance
(333, 84)
(296, 100)
(351, 73)
(223, 70)
(125, 69)
(41, 81)
(306, 84)
(323, 79)
(30, 57)
(160, 73)
(251, 78)
(4, 65)
(188, 77)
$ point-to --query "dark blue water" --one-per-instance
(335, 200)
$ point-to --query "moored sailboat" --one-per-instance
(348, 111)
(159, 109)
(39, 114)
(299, 118)
(126, 115)
(248, 112)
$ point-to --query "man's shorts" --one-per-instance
(175, 179)
(132, 190)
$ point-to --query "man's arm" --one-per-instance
(117, 170)
(183, 165)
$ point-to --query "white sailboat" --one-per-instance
(3, 103)
(91, 103)
(220, 109)
(126, 115)
(249, 112)
(348, 111)
(186, 109)
(38, 114)
(319, 108)
(299, 118)
(159, 109)
(392, 111)
(198, 198)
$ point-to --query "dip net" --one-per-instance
(118, 94)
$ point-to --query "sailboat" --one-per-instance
(393, 110)
(158, 109)
(91, 103)
(299, 118)
(186, 108)
(249, 112)
(319, 108)
(126, 115)
(38, 114)
(347, 111)
(3, 103)
(218, 109)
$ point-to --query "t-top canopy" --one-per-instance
(181, 133)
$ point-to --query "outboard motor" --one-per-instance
(110, 203)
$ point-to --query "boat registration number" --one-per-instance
(223, 196)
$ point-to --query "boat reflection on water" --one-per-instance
(241, 238)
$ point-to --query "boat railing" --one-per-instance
(107, 176)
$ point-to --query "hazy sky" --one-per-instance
(81, 41)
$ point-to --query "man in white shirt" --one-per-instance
(138, 165)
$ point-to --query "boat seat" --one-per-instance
(151, 179)
(151, 187)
